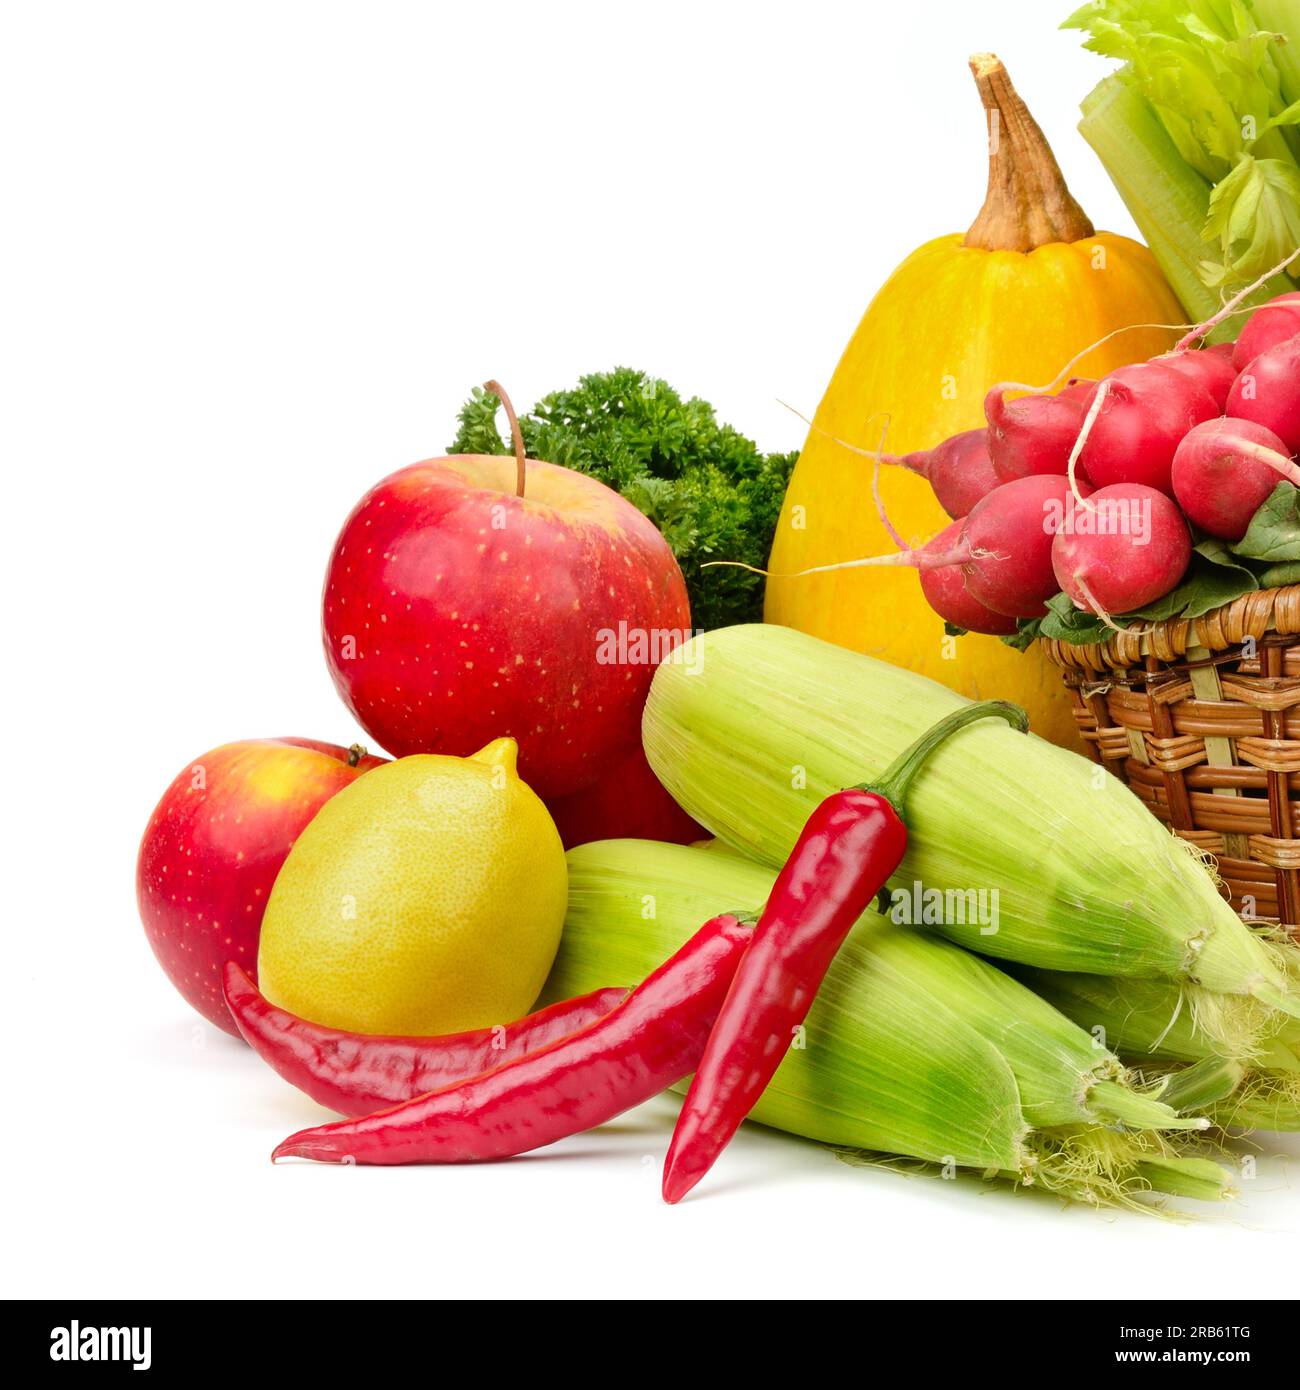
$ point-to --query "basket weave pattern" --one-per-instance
(1201, 718)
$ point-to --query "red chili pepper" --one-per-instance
(850, 846)
(357, 1073)
(642, 1046)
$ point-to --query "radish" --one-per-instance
(959, 470)
(1224, 470)
(1211, 367)
(946, 592)
(1009, 536)
(1270, 324)
(1128, 547)
(1033, 435)
(1003, 550)
(1268, 392)
(1147, 410)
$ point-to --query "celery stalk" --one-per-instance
(1283, 17)
(1166, 197)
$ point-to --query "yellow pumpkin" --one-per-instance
(1028, 286)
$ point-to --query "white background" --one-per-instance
(256, 254)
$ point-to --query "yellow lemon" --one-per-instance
(426, 897)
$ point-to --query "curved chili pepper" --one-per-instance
(357, 1073)
(642, 1046)
(849, 847)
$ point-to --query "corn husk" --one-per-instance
(912, 1046)
(1231, 1095)
(1145, 1020)
(1151, 1025)
(1264, 1101)
(1198, 1178)
(1203, 1084)
(749, 727)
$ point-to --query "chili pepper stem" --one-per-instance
(893, 784)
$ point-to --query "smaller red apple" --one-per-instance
(628, 803)
(213, 847)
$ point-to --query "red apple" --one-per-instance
(628, 803)
(213, 847)
(456, 612)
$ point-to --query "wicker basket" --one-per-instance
(1202, 719)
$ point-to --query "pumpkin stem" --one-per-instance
(1027, 204)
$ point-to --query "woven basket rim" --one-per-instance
(1253, 615)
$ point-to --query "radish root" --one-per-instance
(1064, 374)
(915, 558)
(1231, 307)
(1271, 459)
(826, 434)
(1089, 420)
(1095, 606)
(875, 492)
(877, 457)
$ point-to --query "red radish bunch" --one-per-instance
(1091, 491)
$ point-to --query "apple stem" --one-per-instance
(356, 753)
(516, 434)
